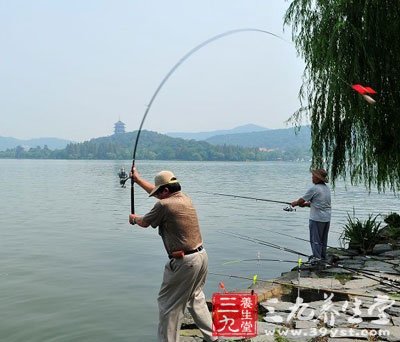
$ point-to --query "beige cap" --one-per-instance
(321, 174)
(163, 178)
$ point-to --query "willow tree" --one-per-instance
(345, 42)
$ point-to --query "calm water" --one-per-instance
(73, 269)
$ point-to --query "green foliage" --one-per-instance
(393, 220)
(152, 146)
(348, 42)
(278, 337)
(361, 235)
(393, 226)
(343, 278)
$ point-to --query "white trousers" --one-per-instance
(182, 287)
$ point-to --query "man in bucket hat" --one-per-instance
(318, 198)
(186, 270)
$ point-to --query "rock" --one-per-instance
(345, 339)
(393, 311)
(392, 254)
(352, 263)
(370, 326)
(263, 338)
(396, 321)
(337, 270)
(266, 331)
(373, 265)
(381, 248)
(320, 283)
(394, 334)
(359, 283)
(305, 324)
(276, 306)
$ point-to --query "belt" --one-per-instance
(198, 249)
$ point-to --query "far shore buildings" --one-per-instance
(119, 127)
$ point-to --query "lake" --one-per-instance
(73, 269)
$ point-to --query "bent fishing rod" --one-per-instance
(381, 280)
(165, 79)
(348, 253)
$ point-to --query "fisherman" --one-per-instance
(186, 270)
(318, 198)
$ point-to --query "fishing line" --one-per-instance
(382, 280)
(167, 76)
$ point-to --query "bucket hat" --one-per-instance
(321, 174)
(163, 178)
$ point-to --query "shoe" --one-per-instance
(313, 260)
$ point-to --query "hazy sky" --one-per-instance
(72, 68)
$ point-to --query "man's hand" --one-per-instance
(300, 202)
(134, 174)
(132, 218)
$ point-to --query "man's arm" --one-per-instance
(136, 219)
(144, 184)
(301, 202)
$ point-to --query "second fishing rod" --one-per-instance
(343, 250)
(382, 280)
(257, 199)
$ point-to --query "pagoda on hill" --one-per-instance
(119, 127)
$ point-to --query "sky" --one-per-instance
(71, 68)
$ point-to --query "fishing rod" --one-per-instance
(296, 262)
(269, 244)
(165, 79)
(381, 280)
(167, 76)
(289, 208)
(349, 253)
(259, 259)
(278, 282)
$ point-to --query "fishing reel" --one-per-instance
(289, 208)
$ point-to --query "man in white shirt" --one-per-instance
(318, 198)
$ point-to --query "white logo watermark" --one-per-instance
(333, 332)
(328, 312)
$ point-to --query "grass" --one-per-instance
(362, 235)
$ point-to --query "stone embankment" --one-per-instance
(356, 300)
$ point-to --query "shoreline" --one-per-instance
(338, 305)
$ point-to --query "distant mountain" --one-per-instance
(156, 146)
(282, 139)
(52, 143)
(205, 135)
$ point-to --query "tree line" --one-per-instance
(154, 146)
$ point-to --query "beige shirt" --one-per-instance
(177, 221)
